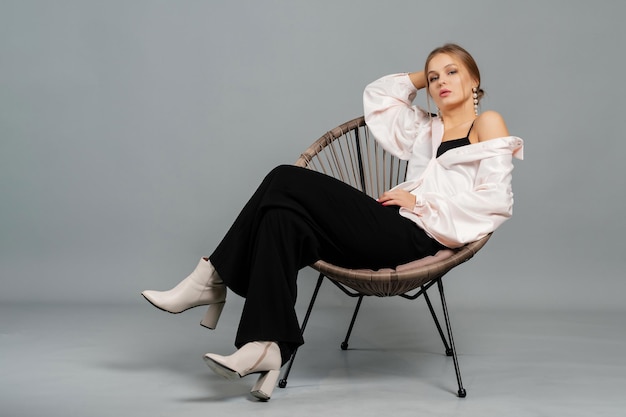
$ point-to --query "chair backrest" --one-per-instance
(351, 154)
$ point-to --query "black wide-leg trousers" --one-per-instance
(296, 217)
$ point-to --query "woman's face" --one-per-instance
(449, 83)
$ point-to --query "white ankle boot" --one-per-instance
(253, 357)
(202, 287)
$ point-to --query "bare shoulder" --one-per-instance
(490, 125)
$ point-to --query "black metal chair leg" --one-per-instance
(344, 345)
(283, 382)
(439, 329)
(462, 393)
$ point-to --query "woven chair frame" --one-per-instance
(351, 154)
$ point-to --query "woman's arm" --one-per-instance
(390, 114)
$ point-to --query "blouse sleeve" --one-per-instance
(390, 115)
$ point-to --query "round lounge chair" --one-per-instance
(349, 153)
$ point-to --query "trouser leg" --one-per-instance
(295, 217)
(284, 243)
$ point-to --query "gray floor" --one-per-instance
(134, 360)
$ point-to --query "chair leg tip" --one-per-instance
(462, 393)
(282, 383)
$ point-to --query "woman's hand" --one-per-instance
(397, 197)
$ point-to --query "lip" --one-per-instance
(444, 92)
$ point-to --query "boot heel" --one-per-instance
(265, 385)
(212, 315)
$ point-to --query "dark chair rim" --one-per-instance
(327, 138)
(391, 282)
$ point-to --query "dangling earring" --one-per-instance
(475, 95)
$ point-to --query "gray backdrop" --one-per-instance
(132, 132)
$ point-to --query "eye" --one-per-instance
(433, 78)
(452, 72)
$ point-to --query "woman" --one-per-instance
(458, 189)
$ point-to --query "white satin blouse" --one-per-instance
(461, 196)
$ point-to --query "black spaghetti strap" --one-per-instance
(470, 129)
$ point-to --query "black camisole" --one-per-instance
(454, 143)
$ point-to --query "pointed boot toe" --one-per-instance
(202, 287)
(254, 357)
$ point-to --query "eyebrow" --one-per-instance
(449, 65)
